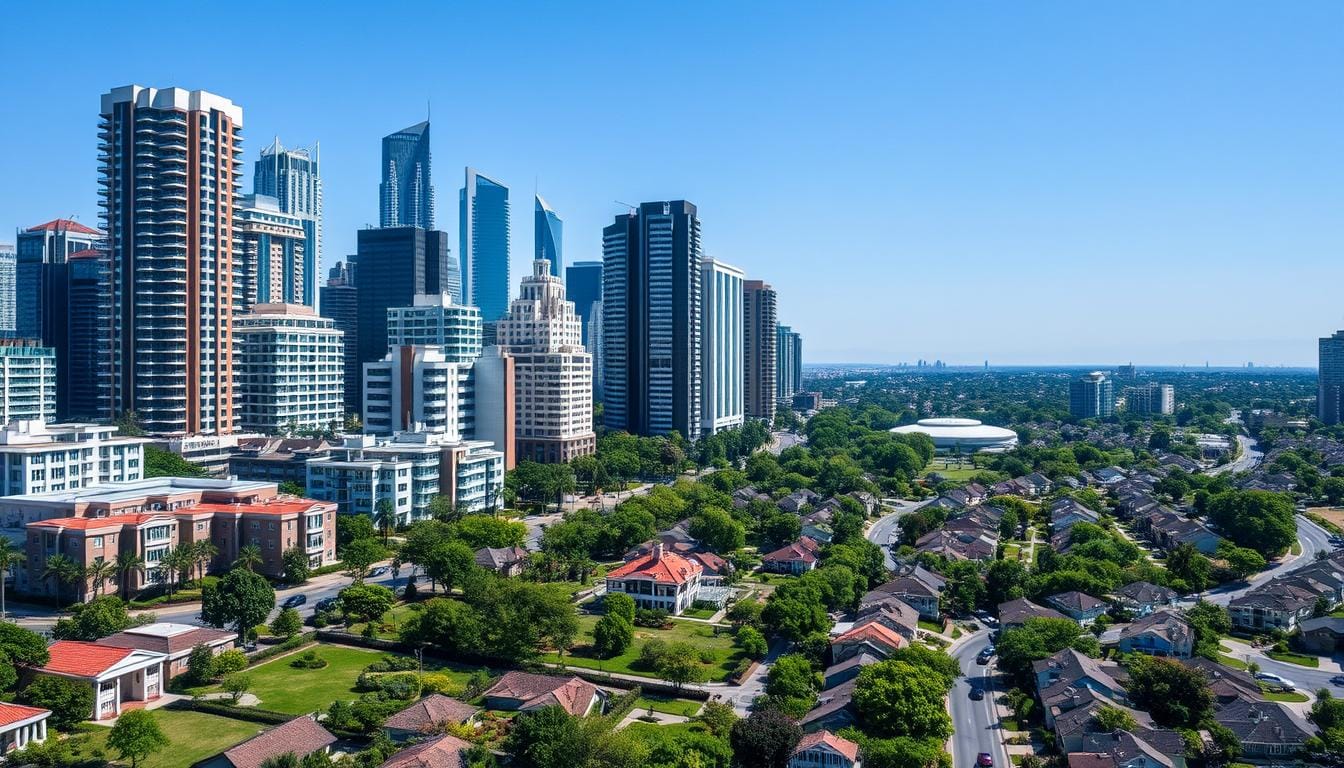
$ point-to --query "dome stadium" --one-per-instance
(962, 435)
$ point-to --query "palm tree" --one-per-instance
(382, 517)
(249, 556)
(64, 570)
(10, 556)
(100, 571)
(127, 563)
(205, 552)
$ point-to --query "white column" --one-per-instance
(42, 730)
(118, 699)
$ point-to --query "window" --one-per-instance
(96, 542)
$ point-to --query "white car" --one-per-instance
(1275, 681)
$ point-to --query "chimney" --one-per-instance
(658, 551)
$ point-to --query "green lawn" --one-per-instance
(724, 653)
(1299, 659)
(656, 733)
(283, 688)
(192, 736)
(1292, 697)
(931, 626)
(957, 475)
(683, 707)
(698, 613)
(1232, 661)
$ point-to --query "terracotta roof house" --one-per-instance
(443, 752)
(427, 716)
(1163, 633)
(301, 736)
(1079, 606)
(1266, 729)
(175, 641)
(1142, 597)
(505, 561)
(525, 691)
(796, 558)
(823, 749)
(1015, 613)
(660, 580)
(873, 638)
(117, 675)
(21, 726)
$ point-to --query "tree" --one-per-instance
(1035, 640)
(63, 570)
(793, 682)
(619, 604)
(764, 739)
(1005, 580)
(352, 528)
(547, 738)
(19, 646)
(70, 701)
(136, 736)
(366, 602)
(795, 610)
(287, 623)
(897, 698)
(1210, 623)
(612, 635)
(446, 623)
(478, 531)
(718, 531)
(160, 462)
(96, 619)
(295, 564)
(98, 572)
(680, 664)
(1241, 561)
(1175, 695)
(752, 642)
(1191, 568)
(965, 589)
(249, 557)
(1110, 719)
(241, 599)
(718, 717)
(384, 518)
(236, 684)
(287, 760)
(127, 564)
(449, 563)
(359, 555)
(1260, 520)
(201, 664)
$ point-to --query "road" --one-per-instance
(1249, 459)
(976, 723)
(885, 528)
(1313, 538)
(781, 441)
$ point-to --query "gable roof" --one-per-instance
(1146, 592)
(872, 632)
(804, 550)
(1075, 601)
(825, 738)
(1263, 722)
(1113, 750)
(431, 712)
(164, 637)
(1165, 624)
(1019, 610)
(572, 694)
(495, 558)
(660, 566)
(65, 225)
(443, 752)
(302, 736)
(80, 659)
(17, 713)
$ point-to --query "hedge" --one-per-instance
(216, 707)
(297, 641)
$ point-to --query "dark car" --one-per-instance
(294, 601)
(327, 603)
(985, 760)
(1337, 680)
(985, 655)
(977, 694)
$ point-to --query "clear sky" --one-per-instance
(1020, 182)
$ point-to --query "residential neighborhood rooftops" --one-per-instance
(165, 637)
(659, 566)
(431, 713)
(572, 694)
(1075, 601)
(818, 738)
(803, 549)
(302, 736)
(442, 752)
(17, 713)
(1019, 610)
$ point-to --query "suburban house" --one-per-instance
(660, 580)
(795, 501)
(919, 587)
(960, 545)
(21, 726)
(1322, 636)
(1079, 606)
(505, 561)
(301, 736)
(175, 641)
(1142, 598)
(1073, 726)
(873, 638)
(1267, 730)
(443, 752)
(823, 749)
(1066, 513)
(120, 677)
(1120, 749)
(1162, 633)
(1061, 677)
(1226, 683)
(834, 709)
(818, 531)
(1015, 613)
(796, 558)
(893, 613)
(848, 669)
(1277, 604)
(525, 691)
(428, 716)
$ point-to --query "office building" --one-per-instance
(38, 458)
(483, 245)
(722, 343)
(795, 367)
(489, 396)
(1092, 396)
(553, 373)
(340, 302)
(652, 318)
(293, 177)
(273, 256)
(8, 262)
(548, 238)
(583, 286)
(407, 471)
(83, 378)
(171, 171)
(406, 195)
(436, 320)
(1151, 399)
(41, 253)
(393, 266)
(788, 364)
(760, 341)
(290, 370)
(27, 381)
(1330, 380)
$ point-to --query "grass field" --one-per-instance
(283, 688)
(724, 654)
(1299, 659)
(1232, 661)
(1291, 697)
(683, 707)
(950, 471)
(192, 736)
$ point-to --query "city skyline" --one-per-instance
(979, 170)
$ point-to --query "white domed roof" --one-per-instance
(967, 433)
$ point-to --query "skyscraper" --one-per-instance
(27, 381)
(548, 240)
(553, 373)
(293, 178)
(393, 266)
(788, 348)
(83, 378)
(171, 171)
(1330, 380)
(8, 259)
(1151, 399)
(651, 316)
(274, 260)
(406, 195)
(722, 343)
(1092, 396)
(41, 253)
(340, 302)
(583, 286)
(759, 345)
(483, 245)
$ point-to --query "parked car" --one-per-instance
(1275, 681)
(379, 571)
(327, 603)
(985, 655)
(294, 601)
(985, 760)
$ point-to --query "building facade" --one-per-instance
(652, 321)
(1092, 396)
(83, 380)
(548, 238)
(340, 302)
(293, 177)
(553, 373)
(39, 458)
(8, 280)
(275, 262)
(1151, 399)
(406, 194)
(788, 364)
(1330, 379)
(291, 370)
(483, 244)
(437, 320)
(171, 172)
(583, 286)
(723, 399)
(27, 381)
(760, 329)
(41, 253)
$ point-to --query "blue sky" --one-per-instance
(1019, 182)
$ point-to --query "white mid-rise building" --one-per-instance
(553, 372)
(291, 370)
(36, 457)
(27, 381)
(435, 320)
(721, 345)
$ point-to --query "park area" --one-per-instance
(718, 653)
(192, 736)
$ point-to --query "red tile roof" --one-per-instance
(276, 507)
(873, 632)
(302, 736)
(443, 752)
(14, 713)
(429, 713)
(81, 659)
(667, 568)
(96, 523)
(68, 225)
(844, 746)
(804, 549)
(87, 253)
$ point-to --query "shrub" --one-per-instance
(201, 664)
(396, 685)
(308, 660)
(70, 702)
(440, 683)
(287, 624)
(650, 617)
(233, 660)
(236, 684)
(393, 664)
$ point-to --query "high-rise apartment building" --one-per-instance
(48, 458)
(340, 302)
(483, 245)
(1151, 399)
(8, 263)
(275, 263)
(553, 373)
(548, 239)
(406, 195)
(436, 320)
(723, 399)
(392, 267)
(41, 253)
(652, 319)
(1330, 380)
(27, 381)
(290, 370)
(788, 365)
(294, 179)
(583, 286)
(83, 378)
(1092, 396)
(171, 170)
(760, 341)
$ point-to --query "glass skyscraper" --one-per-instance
(723, 400)
(583, 285)
(549, 239)
(406, 196)
(292, 177)
(483, 245)
(1092, 396)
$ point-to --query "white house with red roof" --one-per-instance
(660, 580)
(175, 641)
(823, 749)
(21, 726)
(121, 677)
(796, 558)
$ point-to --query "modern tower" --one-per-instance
(652, 320)
(83, 378)
(290, 370)
(483, 245)
(553, 373)
(406, 195)
(1151, 399)
(1330, 380)
(275, 263)
(8, 261)
(41, 253)
(549, 236)
(1092, 396)
(436, 320)
(788, 364)
(293, 178)
(340, 302)
(583, 286)
(171, 171)
(722, 346)
(759, 345)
